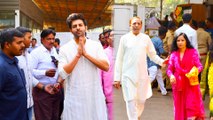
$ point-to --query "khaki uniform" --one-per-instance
(167, 43)
(203, 40)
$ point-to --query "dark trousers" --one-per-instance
(61, 108)
(46, 106)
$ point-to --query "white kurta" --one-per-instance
(131, 65)
(84, 98)
(190, 32)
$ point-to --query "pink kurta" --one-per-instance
(107, 81)
(187, 99)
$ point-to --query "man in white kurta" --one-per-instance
(79, 63)
(188, 30)
(131, 68)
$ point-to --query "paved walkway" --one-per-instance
(158, 107)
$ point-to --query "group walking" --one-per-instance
(75, 81)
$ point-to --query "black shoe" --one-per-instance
(169, 89)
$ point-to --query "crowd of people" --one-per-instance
(75, 81)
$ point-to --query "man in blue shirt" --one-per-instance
(154, 69)
(13, 95)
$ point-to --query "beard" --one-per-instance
(77, 35)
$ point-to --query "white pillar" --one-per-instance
(17, 18)
(121, 16)
(141, 14)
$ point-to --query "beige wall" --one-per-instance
(30, 9)
(9, 5)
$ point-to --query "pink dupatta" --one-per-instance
(179, 68)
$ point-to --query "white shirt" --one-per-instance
(25, 64)
(41, 62)
(84, 98)
(190, 32)
(131, 65)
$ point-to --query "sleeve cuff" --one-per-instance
(63, 74)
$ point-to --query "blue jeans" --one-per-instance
(30, 113)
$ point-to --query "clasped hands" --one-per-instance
(52, 88)
(81, 48)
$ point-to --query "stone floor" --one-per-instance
(158, 107)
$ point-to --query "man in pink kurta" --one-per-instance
(107, 77)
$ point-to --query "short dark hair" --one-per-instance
(201, 24)
(100, 35)
(46, 32)
(7, 35)
(171, 25)
(174, 43)
(180, 24)
(194, 23)
(187, 17)
(57, 40)
(75, 16)
(107, 32)
(34, 39)
(162, 30)
(23, 30)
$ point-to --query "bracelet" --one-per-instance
(43, 87)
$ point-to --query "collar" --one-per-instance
(46, 50)
(7, 59)
(134, 34)
(200, 29)
(186, 24)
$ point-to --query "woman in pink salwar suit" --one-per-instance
(188, 104)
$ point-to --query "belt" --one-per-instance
(203, 54)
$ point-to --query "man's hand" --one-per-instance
(50, 72)
(117, 84)
(80, 48)
(57, 87)
(166, 61)
(49, 89)
(81, 43)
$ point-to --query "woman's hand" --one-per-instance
(172, 79)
